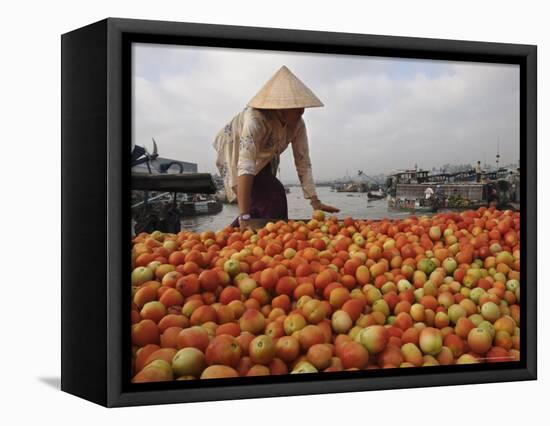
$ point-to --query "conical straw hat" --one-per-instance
(284, 90)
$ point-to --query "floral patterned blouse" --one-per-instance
(253, 139)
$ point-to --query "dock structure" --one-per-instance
(409, 189)
(469, 191)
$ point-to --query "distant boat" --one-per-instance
(376, 195)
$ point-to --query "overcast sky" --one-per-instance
(380, 114)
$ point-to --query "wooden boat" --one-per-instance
(157, 194)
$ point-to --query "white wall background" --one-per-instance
(30, 235)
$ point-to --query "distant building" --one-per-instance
(162, 165)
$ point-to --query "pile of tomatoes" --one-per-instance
(326, 295)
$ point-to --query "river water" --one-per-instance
(351, 204)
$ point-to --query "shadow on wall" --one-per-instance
(54, 382)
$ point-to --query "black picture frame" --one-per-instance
(96, 114)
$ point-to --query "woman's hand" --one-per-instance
(245, 224)
(318, 205)
(252, 224)
(327, 208)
